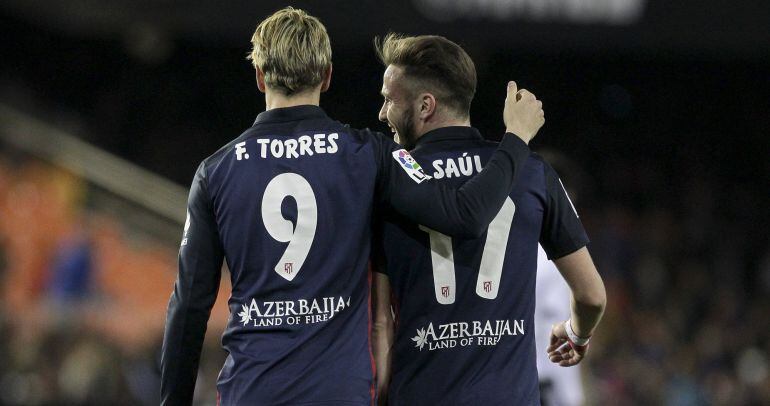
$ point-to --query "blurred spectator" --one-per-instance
(72, 268)
(83, 302)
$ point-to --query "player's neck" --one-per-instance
(276, 100)
(441, 122)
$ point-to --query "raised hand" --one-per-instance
(523, 114)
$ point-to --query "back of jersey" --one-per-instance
(465, 307)
(294, 188)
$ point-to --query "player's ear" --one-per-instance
(427, 106)
(327, 79)
(260, 80)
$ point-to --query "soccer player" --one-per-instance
(288, 205)
(464, 307)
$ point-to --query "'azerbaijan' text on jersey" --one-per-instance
(288, 206)
(464, 307)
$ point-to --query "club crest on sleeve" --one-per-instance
(412, 168)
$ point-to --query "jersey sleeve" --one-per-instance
(195, 290)
(562, 232)
(459, 212)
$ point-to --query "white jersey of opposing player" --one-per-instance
(553, 306)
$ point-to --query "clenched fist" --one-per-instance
(523, 114)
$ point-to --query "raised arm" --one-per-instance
(467, 211)
(195, 290)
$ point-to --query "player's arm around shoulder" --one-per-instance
(569, 340)
(467, 210)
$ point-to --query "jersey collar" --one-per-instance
(295, 113)
(453, 133)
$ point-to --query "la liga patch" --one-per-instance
(412, 168)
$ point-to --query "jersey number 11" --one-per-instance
(491, 268)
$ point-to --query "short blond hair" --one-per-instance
(292, 49)
(432, 63)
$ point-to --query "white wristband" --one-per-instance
(579, 341)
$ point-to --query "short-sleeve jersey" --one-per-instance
(288, 206)
(464, 307)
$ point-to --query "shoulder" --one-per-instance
(366, 135)
(374, 141)
(549, 173)
(356, 135)
(539, 160)
(214, 160)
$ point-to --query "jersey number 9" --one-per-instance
(300, 238)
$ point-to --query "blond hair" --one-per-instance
(432, 63)
(292, 49)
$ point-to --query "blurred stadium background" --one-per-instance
(107, 107)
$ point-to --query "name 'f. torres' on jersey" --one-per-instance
(288, 205)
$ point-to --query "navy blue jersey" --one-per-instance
(465, 307)
(288, 206)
